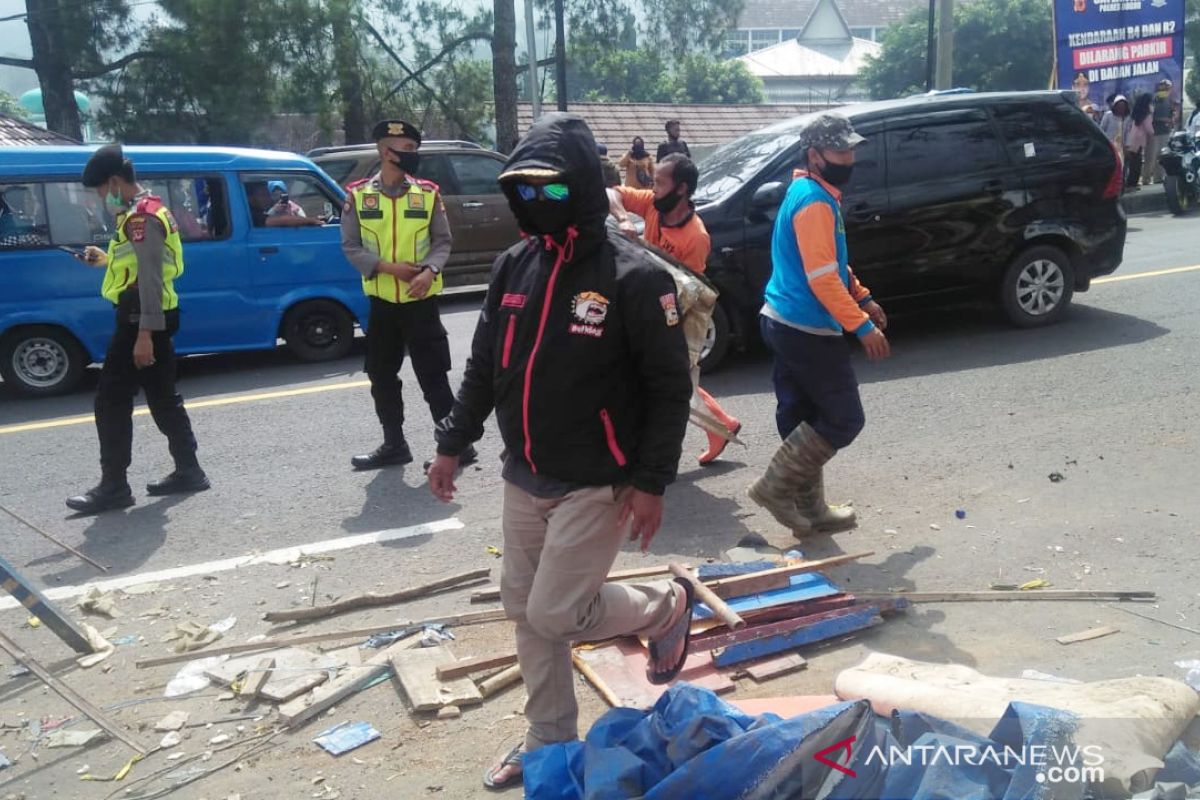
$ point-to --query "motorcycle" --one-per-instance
(1180, 162)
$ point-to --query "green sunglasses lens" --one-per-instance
(556, 191)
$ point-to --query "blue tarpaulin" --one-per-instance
(693, 745)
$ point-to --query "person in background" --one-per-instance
(638, 166)
(281, 204)
(673, 144)
(261, 208)
(673, 226)
(1165, 116)
(1193, 123)
(1116, 125)
(1140, 135)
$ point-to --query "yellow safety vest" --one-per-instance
(396, 229)
(122, 268)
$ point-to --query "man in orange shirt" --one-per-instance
(673, 227)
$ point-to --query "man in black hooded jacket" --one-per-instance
(580, 353)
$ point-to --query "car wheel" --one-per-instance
(41, 360)
(1037, 287)
(318, 330)
(716, 341)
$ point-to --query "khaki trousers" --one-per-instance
(557, 554)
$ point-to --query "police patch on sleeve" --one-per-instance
(670, 311)
(135, 229)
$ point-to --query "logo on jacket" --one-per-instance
(416, 201)
(670, 310)
(370, 201)
(589, 310)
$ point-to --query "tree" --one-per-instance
(703, 79)
(1192, 35)
(504, 73)
(66, 40)
(10, 107)
(998, 46)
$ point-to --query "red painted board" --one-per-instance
(622, 666)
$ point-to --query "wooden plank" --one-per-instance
(595, 680)
(39, 606)
(469, 618)
(718, 639)
(417, 672)
(641, 572)
(303, 709)
(500, 681)
(988, 595)
(289, 662)
(488, 595)
(371, 599)
(70, 695)
(731, 569)
(620, 669)
(839, 623)
(705, 595)
(774, 667)
(769, 579)
(808, 586)
(466, 666)
(256, 679)
(492, 593)
(1091, 633)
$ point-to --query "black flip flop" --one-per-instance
(682, 627)
(514, 757)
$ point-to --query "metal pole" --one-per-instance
(560, 55)
(930, 47)
(945, 45)
(535, 95)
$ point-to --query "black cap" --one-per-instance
(395, 127)
(104, 163)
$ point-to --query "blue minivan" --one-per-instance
(262, 258)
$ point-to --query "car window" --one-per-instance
(287, 200)
(435, 167)
(868, 175)
(23, 216)
(339, 169)
(921, 150)
(735, 163)
(476, 174)
(1048, 134)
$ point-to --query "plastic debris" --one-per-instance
(223, 626)
(173, 721)
(18, 671)
(346, 737)
(493, 550)
(1192, 679)
(101, 647)
(1036, 583)
(961, 513)
(191, 677)
(125, 641)
(98, 603)
(33, 622)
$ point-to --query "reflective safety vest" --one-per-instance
(122, 271)
(396, 229)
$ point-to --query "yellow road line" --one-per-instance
(1154, 274)
(84, 419)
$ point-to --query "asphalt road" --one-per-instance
(1105, 399)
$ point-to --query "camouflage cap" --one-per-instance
(830, 131)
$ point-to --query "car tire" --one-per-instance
(717, 341)
(41, 361)
(1179, 199)
(318, 330)
(1037, 287)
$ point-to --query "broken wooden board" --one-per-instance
(257, 678)
(467, 666)
(372, 599)
(815, 629)
(500, 681)
(1091, 633)
(768, 669)
(622, 668)
(767, 580)
(989, 595)
(287, 688)
(294, 712)
(807, 586)
(296, 671)
(416, 670)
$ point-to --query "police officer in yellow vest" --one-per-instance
(144, 258)
(395, 232)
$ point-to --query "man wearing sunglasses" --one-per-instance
(580, 353)
(395, 232)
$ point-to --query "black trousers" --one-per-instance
(393, 329)
(120, 380)
(1133, 167)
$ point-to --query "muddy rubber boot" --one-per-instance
(824, 517)
(776, 490)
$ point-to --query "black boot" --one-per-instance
(388, 453)
(184, 480)
(109, 495)
(465, 458)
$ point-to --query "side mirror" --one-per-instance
(768, 196)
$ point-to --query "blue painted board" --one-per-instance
(855, 620)
(708, 572)
(807, 586)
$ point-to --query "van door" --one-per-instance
(951, 191)
(488, 226)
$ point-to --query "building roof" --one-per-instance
(791, 59)
(794, 13)
(15, 131)
(615, 124)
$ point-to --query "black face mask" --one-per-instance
(407, 160)
(639, 151)
(836, 174)
(665, 205)
(549, 218)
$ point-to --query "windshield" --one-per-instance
(731, 165)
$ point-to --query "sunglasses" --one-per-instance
(558, 192)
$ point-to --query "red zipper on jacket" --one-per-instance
(508, 340)
(610, 435)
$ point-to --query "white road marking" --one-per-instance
(280, 556)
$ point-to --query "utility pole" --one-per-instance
(535, 95)
(945, 45)
(930, 46)
(560, 55)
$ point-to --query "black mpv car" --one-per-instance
(1015, 195)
